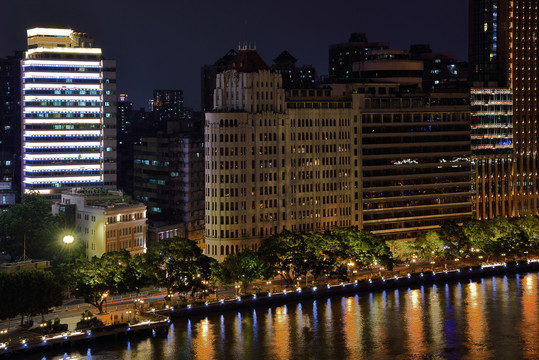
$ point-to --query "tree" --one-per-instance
(429, 245)
(92, 281)
(364, 248)
(479, 238)
(9, 305)
(496, 236)
(287, 254)
(505, 237)
(245, 267)
(29, 227)
(43, 291)
(136, 275)
(403, 250)
(179, 265)
(453, 236)
(530, 226)
(28, 292)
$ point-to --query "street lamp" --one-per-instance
(68, 240)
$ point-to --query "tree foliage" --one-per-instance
(96, 279)
(179, 265)
(244, 267)
(28, 292)
(31, 223)
(364, 248)
(287, 254)
(429, 245)
(454, 237)
(530, 226)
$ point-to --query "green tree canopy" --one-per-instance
(364, 248)
(179, 265)
(96, 279)
(287, 254)
(530, 226)
(453, 236)
(30, 222)
(28, 292)
(429, 245)
(245, 267)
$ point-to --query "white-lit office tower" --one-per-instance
(68, 114)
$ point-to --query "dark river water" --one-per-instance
(492, 318)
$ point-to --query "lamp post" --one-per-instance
(68, 240)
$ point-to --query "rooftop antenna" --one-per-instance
(245, 34)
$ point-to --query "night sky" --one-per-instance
(163, 43)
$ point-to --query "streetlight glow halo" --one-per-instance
(68, 239)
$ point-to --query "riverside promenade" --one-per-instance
(124, 323)
(111, 325)
(355, 287)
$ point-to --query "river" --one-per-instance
(491, 318)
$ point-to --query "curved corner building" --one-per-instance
(241, 155)
(68, 114)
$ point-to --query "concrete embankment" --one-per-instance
(147, 325)
(374, 284)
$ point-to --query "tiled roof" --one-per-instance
(248, 61)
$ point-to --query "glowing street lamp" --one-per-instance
(68, 240)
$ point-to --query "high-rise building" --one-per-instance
(125, 140)
(68, 113)
(441, 70)
(342, 56)
(354, 154)
(169, 179)
(168, 104)
(10, 128)
(390, 66)
(503, 70)
(294, 77)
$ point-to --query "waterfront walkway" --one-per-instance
(121, 311)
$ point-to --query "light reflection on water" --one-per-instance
(493, 318)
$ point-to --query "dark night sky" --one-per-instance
(163, 43)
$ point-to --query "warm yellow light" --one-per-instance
(96, 51)
(68, 239)
(48, 31)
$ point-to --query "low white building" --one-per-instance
(106, 220)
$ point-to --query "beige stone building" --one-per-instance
(106, 221)
(296, 161)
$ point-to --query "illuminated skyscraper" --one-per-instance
(503, 70)
(68, 113)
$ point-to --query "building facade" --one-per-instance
(503, 69)
(106, 221)
(343, 55)
(68, 113)
(294, 77)
(354, 154)
(169, 179)
(10, 129)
